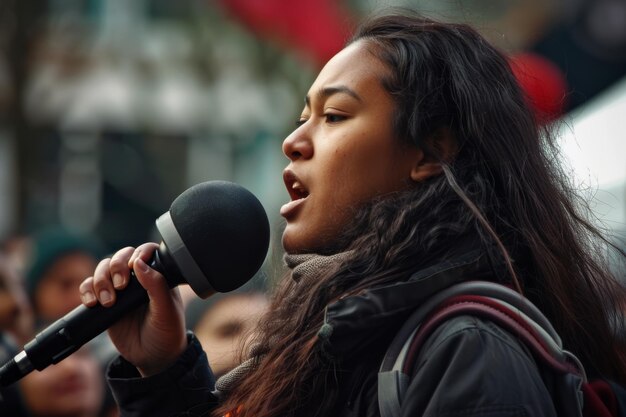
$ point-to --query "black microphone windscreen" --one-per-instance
(225, 229)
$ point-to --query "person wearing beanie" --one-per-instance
(59, 261)
(15, 327)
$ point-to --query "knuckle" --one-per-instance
(117, 263)
(86, 285)
(103, 264)
(102, 279)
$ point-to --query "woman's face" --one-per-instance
(15, 312)
(226, 325)
(72, 387)
(344, 151)
(57, 292)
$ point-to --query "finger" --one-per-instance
(165, 315)
(144, 251)
(153, 281)
(103, 284)
(164, 302)
(118, 267)
(87, 292)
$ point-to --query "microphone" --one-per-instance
(215, 237)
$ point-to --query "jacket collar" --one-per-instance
(351, 323)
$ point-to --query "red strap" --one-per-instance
(600, 399)
(483, 307)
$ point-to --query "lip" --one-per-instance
(70, 387)
(298, 196)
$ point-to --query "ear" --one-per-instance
(437, 149)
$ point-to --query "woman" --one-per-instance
(222, 321)
(72, 388)
(16, 324)
(16, 315)
(416, 164)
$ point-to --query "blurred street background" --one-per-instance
(111, 108)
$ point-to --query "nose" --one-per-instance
(9, 312)
(298, 144)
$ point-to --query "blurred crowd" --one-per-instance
(39, 279)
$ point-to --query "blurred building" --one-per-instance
(112, 108)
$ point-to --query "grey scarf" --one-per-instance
(305, 266)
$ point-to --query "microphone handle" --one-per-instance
(66, 335)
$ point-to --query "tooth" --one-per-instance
(296, 185)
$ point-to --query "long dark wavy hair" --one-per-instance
(505, 188)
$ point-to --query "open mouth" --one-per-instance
(295, 188)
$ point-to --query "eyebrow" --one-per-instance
(326, 92)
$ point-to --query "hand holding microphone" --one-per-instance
(214, 237)
(153, 336)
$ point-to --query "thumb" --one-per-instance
(163, 300)
(164, 336)
(151, 280)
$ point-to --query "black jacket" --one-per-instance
(468, 366)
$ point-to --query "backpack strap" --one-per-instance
(490, 309)
(494, 302)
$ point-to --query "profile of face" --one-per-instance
(344, 151)
(70, 388)
(15, 311)
(57, 292)
(225, 325)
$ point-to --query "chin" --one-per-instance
(290, 248)
(295, 243)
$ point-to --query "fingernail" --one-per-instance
(105, 296)
(118, 281)
(142, 265)
(87, 298)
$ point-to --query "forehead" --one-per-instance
(354, 67)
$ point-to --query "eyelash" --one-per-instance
(328, 116)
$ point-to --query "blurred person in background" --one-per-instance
(224, 322)
(15, 330)
(73, 387)
(59, 260)
(16, 316)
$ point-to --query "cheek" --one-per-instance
(91, 370)
(95, 392)
(360, 179)
(7, 306)
(37, 387)
(332, 220)
(221, 352)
